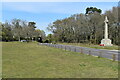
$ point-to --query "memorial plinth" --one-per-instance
(106, 42)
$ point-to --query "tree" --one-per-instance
(0, 31)
(90, 10)
(30, 30)
(114, 28)
(7, 32)
(86, 28)
(50, 37)
(19, 29)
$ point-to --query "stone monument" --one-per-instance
(106, 41)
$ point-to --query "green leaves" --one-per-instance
(93, 10)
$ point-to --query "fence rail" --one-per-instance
(115, 56)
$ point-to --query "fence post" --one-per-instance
(75, 49)
(65, 47)
(113, 57)
(100, 54)
(61, 47)
(81, 50)
(89, 52)
(69, 48)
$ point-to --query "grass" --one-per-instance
(0, 60)
(30, 60)
(114, 47)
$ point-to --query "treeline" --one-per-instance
(17, 30)
(86, 28)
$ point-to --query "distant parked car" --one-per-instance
(23, 41)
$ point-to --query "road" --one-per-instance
(110, 54)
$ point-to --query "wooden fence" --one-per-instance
(89, 51)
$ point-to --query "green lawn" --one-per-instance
(30, 60)
(0, 60)
(114, 47)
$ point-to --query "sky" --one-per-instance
(44, 13)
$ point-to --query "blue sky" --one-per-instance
(44, 13)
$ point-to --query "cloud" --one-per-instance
(52, 7)
(42, 7)
(47, 11)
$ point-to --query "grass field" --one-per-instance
(0, 60)
(114, 47)
(30, 60)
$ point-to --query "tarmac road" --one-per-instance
(110, 54)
